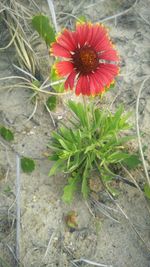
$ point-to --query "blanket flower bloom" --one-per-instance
(90, 61)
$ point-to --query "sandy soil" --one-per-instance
(45, 240)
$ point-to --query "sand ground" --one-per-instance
(45, 239)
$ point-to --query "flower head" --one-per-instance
(89, 58)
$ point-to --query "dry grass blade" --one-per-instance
(118, 14)
(91, 262)
(48, 246)
(52, 10)
(128, 219)
(138, 131)
(102, 209)
(11, 41)
(69, 15)
(34, 111)
(50, 115)
(25, 72)
(26, 56)
(14, 77)
(18, 209)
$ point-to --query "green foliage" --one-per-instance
(36, 83)
(70, 188)
(147, 190)
(82, 18)
(59, 88)
(51, 102)
(132, 161)
(27, 165)
(6, 134)
(92, 139)
(42, 25)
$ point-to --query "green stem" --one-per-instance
(86, 110)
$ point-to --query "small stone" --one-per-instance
(59, 117)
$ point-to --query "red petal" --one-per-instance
(100, 40)
(70, 80)
(99, 79)
(82, 33)
(85, 88)
(90, 34)
(103, 45)
(106, 73)
(79, 85)
(93, 85)
(99, 32)
(110, 68)
(96, 87)
(63, 68)
(106, 76)
(109, 55)
(58, 50)
(68, 40)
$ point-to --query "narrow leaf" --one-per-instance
(117, 157)
(85, 188)
(56, 167)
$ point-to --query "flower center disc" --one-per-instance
(85, 60)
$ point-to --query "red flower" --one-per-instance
(91, 59)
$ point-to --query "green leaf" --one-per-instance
(53, 157)
(36, 83)
(85, 188)
(82, 18)
(51, 102)
(112, 85)
(70, 189)
(6, 134)
(147, 190)
(89, 148)
(112, 190)
(79, 111)
(116, 118)
(27, 165)
(125, 139)
(59, 88)
(41, 24)
(132, 161)
(117, 157)
(67, 133)
(107, 178)
(97, 117)
(64, 144)
(82, 142)
(56, 167)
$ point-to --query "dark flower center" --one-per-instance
(85, 60)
